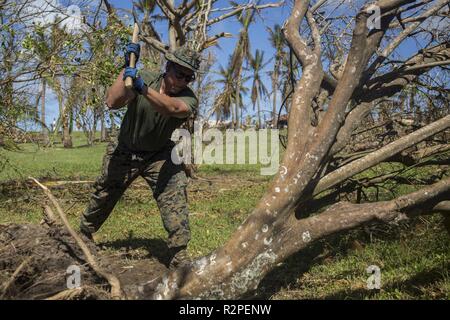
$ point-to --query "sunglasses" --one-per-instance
(180, 75)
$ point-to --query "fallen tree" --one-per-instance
(273, 232)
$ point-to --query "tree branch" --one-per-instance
(245, 7)
(390, 83)
(116, 291)
(161, 47)
(186, 7)
(212, 40)
(352, 121)
(168, 10)
(345, 216)
(380, 155)
(402, 36)
(309, 84)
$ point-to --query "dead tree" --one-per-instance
(273, 232)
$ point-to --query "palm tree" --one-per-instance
(223, 103)
(44, 130)
(64, 111)
(277, 41)
(49, 50)
(56, 83)
(43, 56)
(259, 90)
(240, 54)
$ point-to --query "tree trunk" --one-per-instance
(237, 104)
(66, 137)
(236, 125)
(241, 118)
(174, 41)
(259, 112)
(113, 125)
(103, 133)
(71, 121)
(233, 116)
(238, 96)
(44, 129)
(274, 90)
(94, 127)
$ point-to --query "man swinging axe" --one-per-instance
(157, 104)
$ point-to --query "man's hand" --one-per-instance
(132, 48)
(138, 83)
(164, 104)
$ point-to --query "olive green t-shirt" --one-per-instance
(145, 129)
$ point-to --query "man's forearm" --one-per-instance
(117, 94)
(164, 104)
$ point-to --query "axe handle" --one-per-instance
(129, 80)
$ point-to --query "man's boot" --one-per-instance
(87, 234)
(180, 257)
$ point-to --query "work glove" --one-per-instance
(138, 82)
(132, 48)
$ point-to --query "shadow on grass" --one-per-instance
(411, 286)
(156, 247)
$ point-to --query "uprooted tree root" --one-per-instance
(34, 262)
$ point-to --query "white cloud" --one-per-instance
(73, 21)
(46, 12)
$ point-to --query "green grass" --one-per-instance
(83, 162)
(413, 258)
(79, 162)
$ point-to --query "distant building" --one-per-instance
(53, 125)
(282, 121)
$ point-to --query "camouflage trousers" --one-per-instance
(167, 181)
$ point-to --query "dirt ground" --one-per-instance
(34, 262)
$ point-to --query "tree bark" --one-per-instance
(103, 133)
(66, 137)
(44, 130)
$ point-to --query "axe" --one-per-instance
(129, 80)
